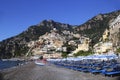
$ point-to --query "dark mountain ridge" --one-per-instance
(17, 45)
(93, 28)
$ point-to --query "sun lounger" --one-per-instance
(95, 71)
(111, 73)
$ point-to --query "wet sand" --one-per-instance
(31, 71)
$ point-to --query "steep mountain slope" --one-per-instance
(115, 32)
(95, 27)
(17, 45)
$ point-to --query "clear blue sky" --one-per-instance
(17, 15)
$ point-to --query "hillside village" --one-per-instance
(51, 45)
(51, 39)
(110, 39)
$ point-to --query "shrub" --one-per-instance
(83, 53)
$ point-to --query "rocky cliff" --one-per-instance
(17, 45)
(93, 28)
(115, 32)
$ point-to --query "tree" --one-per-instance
(64, 54)
(83, 53)
(118, 50)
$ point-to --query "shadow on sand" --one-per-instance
(1, 76)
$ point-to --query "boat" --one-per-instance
(40, 62)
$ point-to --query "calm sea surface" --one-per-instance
(8, 64)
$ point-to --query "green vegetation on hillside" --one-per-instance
(83, 53)
(94, 28)
(96, 31)
(34, 32)
(118, 50)
(64, 54)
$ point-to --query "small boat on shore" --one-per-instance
(40, 62)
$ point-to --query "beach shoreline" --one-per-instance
(31, 71)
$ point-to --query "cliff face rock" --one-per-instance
(59, 26)
(95, 27)
(17, 45)
(115, 32)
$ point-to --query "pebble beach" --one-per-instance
(31, 71)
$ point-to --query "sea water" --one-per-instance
(8, 64)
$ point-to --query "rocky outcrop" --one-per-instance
(59, 26)
(93, 29)
(18, 45)
(115, 32)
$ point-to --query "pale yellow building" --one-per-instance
(84, 46)
(105, 35)
(103, 47)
